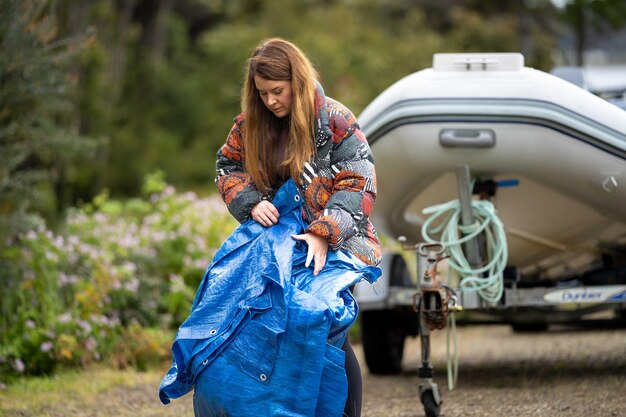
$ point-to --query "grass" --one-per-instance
(96, 392)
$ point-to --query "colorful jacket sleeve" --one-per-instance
(354, 189)
(234, 184)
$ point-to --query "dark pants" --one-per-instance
(355, 383)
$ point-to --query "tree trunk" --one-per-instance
(525, 32)
(580, 29)
(152, 41)
(119, 49)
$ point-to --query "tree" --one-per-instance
(495, 26)
(160, 79)
(585, 16)
(39, 143)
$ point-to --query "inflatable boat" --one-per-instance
(564, 148)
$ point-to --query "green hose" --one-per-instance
(488, 279)
(452, 356)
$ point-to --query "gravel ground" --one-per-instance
(562, 372)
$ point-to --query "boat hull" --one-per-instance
(565, 147)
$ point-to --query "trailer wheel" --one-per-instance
(383, 335)
(431, 408)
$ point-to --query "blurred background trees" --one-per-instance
(588, 16)
(155, 83)
(40, 145)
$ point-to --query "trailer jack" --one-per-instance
(433, 303)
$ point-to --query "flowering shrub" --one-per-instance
(104, 286)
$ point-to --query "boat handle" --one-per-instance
(467, 138)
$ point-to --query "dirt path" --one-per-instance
(560, 373)
(556, 373)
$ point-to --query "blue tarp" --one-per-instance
(264, 335)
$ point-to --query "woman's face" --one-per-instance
(276, 95)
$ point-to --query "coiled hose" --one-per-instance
(488, 279)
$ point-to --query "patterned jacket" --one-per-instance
(338, 185)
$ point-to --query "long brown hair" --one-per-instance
(278, 60)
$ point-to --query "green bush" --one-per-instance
(73, 297)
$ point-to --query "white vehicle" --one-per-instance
(548, 155)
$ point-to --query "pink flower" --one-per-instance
(46, 346)
(19, 365)
(91, 343)
(63, 279)
(132, 285)
(65, 317)
(86, 327)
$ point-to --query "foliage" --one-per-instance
(39, 144)
(118, 269)
(159, 82)
(141, 348)
(162, 83)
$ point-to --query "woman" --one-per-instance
(293, 130)
(292, 140)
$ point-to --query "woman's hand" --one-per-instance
(265, 213)
(318, 248)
